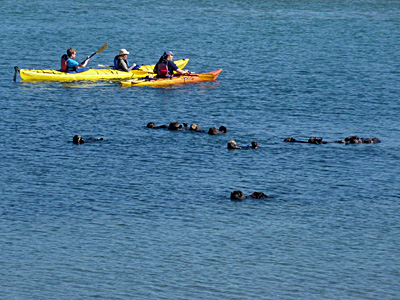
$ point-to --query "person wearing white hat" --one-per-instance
(121, 62)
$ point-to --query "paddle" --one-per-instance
(136, 71)
(106, 66)
(101, 49)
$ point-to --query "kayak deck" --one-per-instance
(180, 79)
(91, 74)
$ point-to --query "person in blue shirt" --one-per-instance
(165, 67)
(73, 65)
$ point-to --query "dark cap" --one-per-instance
(166, 53)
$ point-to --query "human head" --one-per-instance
(123, 52)
(71, 51)
(168, 55)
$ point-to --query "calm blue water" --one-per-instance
(146, 214)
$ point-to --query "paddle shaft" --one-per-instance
(101, 49)
(136, 70)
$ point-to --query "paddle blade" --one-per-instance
(102, 48)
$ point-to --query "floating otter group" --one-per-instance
(211, 131)
(348, 140)
(194, 127)
(232, 145)
(78, 140)
(239, 195)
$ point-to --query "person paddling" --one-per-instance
(69, 64)
(121, 62)
(165, 67)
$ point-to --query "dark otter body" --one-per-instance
(233, 145)
(348, 140)
(214, 131)
(172, 126)
(357, 140)
(292, 140)
(258, 195)
(239, 195)
(195, 127)
(153, 125)
(254, 145)
(175, 126)
(78, 140)
(374, 140)
(315, 140)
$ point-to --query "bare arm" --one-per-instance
(83, 65)
(124, 66)
(181, 71)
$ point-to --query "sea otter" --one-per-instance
(195, 127)
(153, 125)
(78, 140)
(239, 195)
(175, 126)
(214, 131)
(233, 145)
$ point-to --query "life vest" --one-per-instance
(116, 65)
(162, 69)
(64, 65)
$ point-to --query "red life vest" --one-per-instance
(162, 69)
(64, 65)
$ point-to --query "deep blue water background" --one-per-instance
(146, 214)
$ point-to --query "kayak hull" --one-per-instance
(91, 74)
(210, 76)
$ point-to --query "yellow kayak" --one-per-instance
(91, 74)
